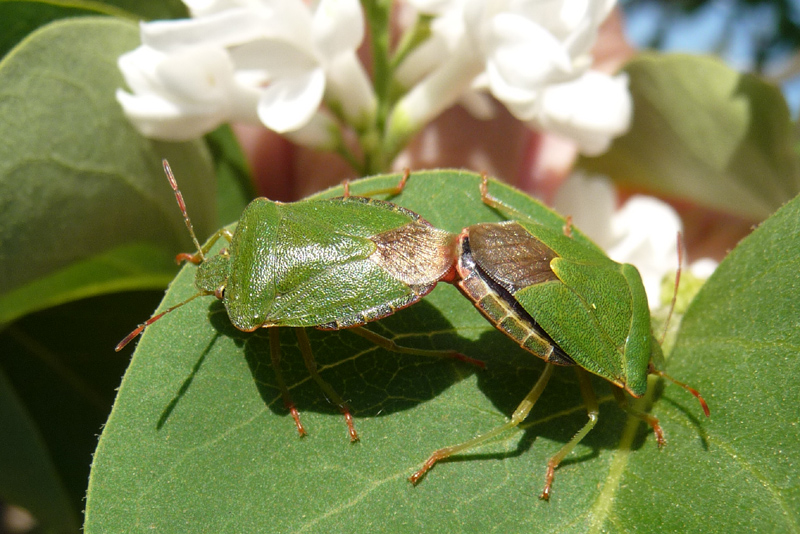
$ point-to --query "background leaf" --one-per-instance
(19, 18)
(235, 188)
(199, 440)
(744, 323)
(706, 133)
(62, 377)
(78, 185)
(27, 474)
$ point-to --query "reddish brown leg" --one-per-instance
(568, 226)
(275, 355)
(619, 395)
(311, 365)
(653, 371)
(391, 191)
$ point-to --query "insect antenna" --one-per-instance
(139, 329)
(652, 370)
(688, 388)
(675, 289)
(199, 257)
(194, 258)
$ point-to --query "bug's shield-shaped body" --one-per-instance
(328, 264)
(560, 299)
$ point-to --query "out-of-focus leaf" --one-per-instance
(706, 133)
(129, 267)
(78, 185)
(18, 18)
(28, 477)
(234, 184)
(151, 9)
(61, 364)
(199, 439)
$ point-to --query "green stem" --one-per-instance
(412, 39)
(378, 14)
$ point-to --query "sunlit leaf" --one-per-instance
(199, 439)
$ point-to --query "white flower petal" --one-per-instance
(201, 74)
(337, 27)
(524, 55)
(432, 95)
(527, 48)
(138, 67)
(158, 118)
(421, 61)
(434, 7)
(196, 84)
(273, 58)
(287, 20)
(289, 103)
(591, 202)
(647, 237)
(349, 86)
(591, 110)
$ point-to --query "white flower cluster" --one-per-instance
(534, 56)
(277, 61)
(268, 61)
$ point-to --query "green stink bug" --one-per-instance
(329, 264)
(566, 302)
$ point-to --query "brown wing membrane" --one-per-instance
(510, 255)
(417, 254)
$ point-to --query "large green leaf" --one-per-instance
(704, 132)
(79, 187)
(745, 322)
(199, 439)
(151, 9)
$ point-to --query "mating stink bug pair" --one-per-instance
(340, 263)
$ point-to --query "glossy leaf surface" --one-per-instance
(199, 440)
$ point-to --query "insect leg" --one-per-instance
(311, 365)
(619, 395)
(493, 202)
(391, 191)
(275, 355)
(198, 256)
(592, 408)
(518, 416)
(390, 345)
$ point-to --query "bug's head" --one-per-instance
(212, 275)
